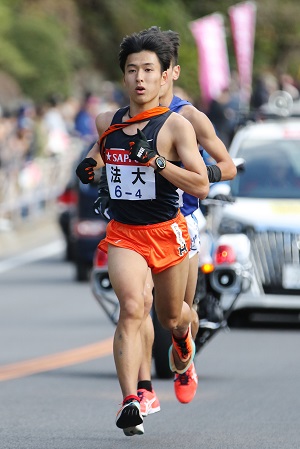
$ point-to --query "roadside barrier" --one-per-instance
(30, 190)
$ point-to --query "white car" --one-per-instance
(267, 210)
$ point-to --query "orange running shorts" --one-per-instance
(162, 245)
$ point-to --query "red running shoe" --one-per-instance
(149, 402)
(185, 350)
(185, 385)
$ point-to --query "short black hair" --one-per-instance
(173, 38)
(147, 40)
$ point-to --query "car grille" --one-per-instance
(270, 251)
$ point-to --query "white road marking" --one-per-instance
(33, 255)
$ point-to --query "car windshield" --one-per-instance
(272, 169)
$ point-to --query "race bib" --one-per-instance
(127, 179)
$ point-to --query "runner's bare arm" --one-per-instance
(209, 140)
(193, 179)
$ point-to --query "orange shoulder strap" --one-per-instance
(141, 117)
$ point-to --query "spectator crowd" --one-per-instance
(38, 139)
(33, 136)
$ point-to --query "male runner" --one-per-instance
(143, 147)
(185, 385)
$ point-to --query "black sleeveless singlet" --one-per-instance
(164, 206)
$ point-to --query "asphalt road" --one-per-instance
(58, 387)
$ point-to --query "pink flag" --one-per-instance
(242, 19)
(214, 72)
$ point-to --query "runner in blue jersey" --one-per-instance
(185, 385)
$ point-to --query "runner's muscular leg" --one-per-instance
(170, 286)
(128, 272)
(147, 331)
(190, 291)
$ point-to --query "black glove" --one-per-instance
(101, 205)
(140, 150)
(85, 171)
(214, 173)
(225, 198)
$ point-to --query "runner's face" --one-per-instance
(143, 78)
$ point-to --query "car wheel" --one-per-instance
(162, 343)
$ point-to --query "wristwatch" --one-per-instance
(160, 162)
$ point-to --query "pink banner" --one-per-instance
(242, 20)
(214, 72)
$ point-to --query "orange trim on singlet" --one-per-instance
(141, 117)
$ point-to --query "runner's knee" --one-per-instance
(168, 322)
(131, 309)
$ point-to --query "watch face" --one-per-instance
(160, 162)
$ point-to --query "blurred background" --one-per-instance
(59, 69)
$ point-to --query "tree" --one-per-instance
(46, 44)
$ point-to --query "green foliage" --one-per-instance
(36, 47)
(6, 19)
(11, 58)
(13, 62)
(278, 37)
(44, 47)
(104, 26)
(44, 44)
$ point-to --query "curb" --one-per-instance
(29, 235)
